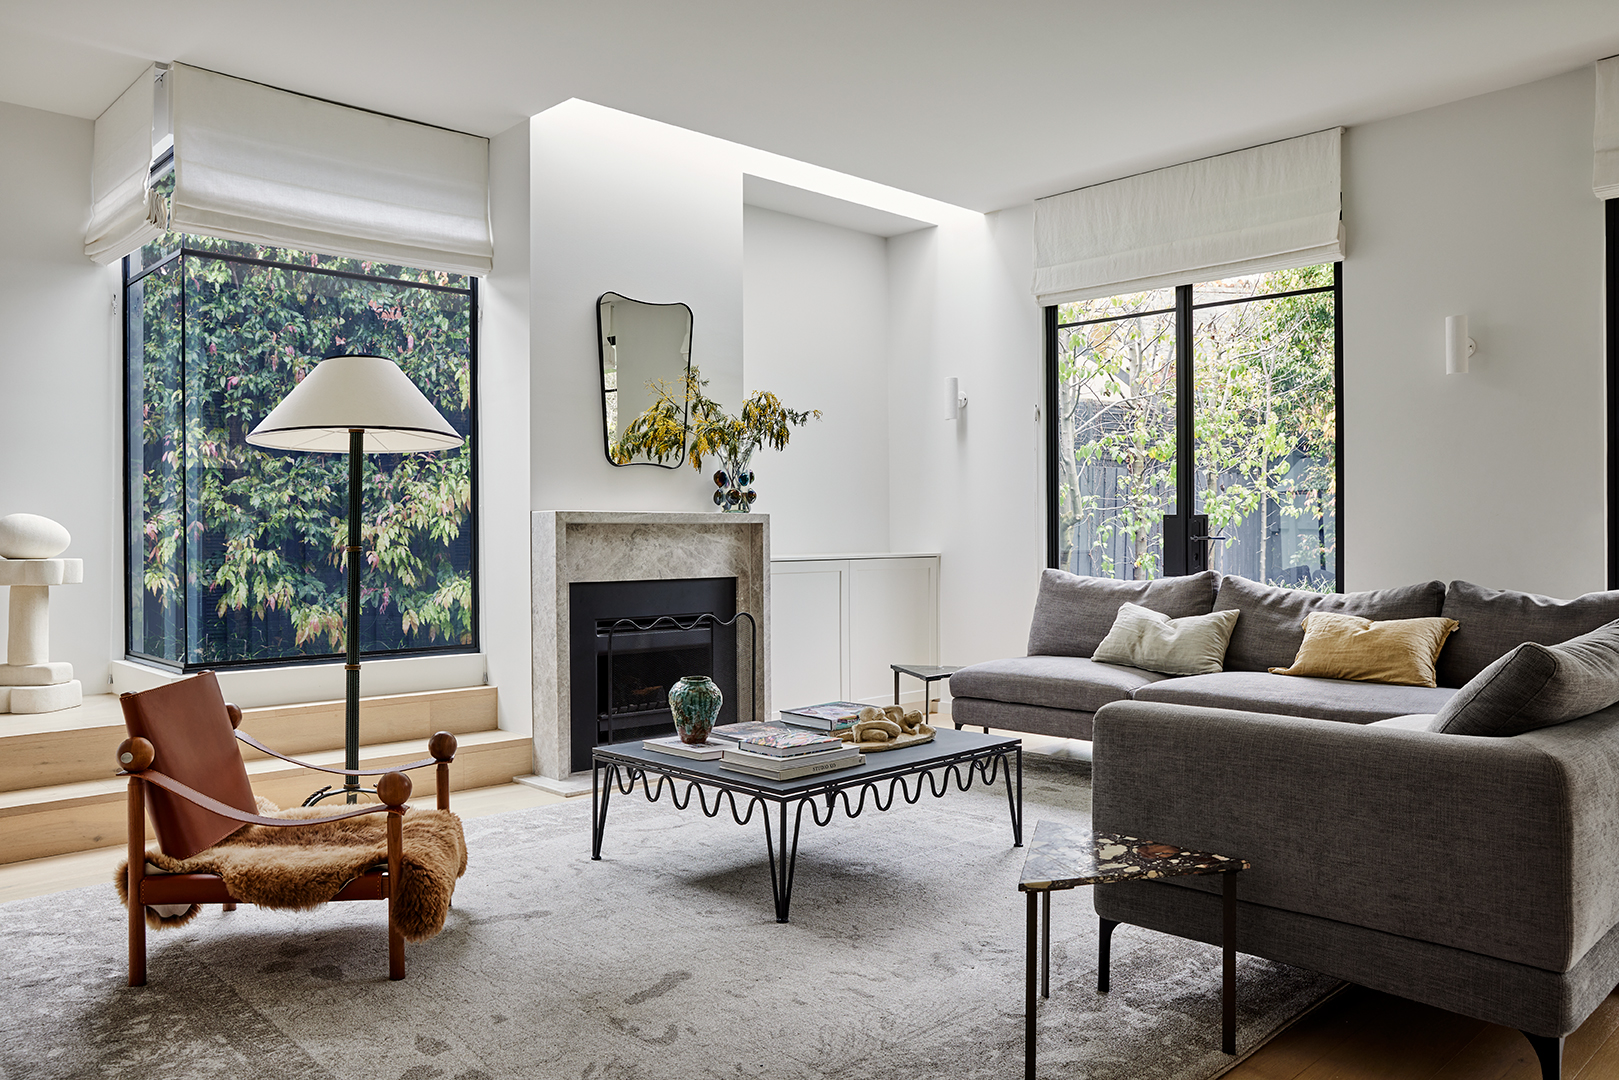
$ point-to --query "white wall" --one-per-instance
(815, 332)
(653, 212)
(1482, 207)
(973, 488)
(503, 430)
(60, 382)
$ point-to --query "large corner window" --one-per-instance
(1197, 427)
(235, 554)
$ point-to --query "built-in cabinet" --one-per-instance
(839, 621)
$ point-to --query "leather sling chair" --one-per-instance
(184, 766)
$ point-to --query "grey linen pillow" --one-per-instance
(1152, 641)
(1272, 625)
(1072, 614)
(1536, 686)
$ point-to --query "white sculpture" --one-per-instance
(29, 682)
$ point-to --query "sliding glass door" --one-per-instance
(1221, 398)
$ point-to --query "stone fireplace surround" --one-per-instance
(606, 545)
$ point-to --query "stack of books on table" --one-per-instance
(789, 755)
(832, 716)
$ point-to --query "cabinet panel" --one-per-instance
(808, 645)
(893, 619)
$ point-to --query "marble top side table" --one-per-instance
(1065, 857)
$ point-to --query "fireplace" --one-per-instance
(630, 641)
(636, 550)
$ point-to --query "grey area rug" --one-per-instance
(904, 959)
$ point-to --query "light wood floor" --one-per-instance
(1358, 1034)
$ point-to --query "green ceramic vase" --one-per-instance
(695, 701)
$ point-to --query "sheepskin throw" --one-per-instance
(305, 867)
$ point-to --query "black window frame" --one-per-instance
(1185, 494)
(1611, 273)
(474, 571)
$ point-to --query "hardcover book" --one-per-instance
(828, 716)
(793, 772)
(735, 733)
(673, 746)
(776, 764)
(785, 744)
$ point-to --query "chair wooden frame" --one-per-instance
(136, 756)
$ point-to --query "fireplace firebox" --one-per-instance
(630, 641)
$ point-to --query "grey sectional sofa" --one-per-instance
(1480, 875)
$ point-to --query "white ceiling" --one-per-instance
(983, 104)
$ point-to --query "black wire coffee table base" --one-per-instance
(954, 759)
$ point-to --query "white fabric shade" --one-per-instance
(124, 212)
(343, 393)
(1265, 208)
(265, 166)
(1605, 171)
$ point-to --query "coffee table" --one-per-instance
(956, 758)
(1065, 857)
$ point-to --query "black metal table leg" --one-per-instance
(896, 689)
(782, 865)
(1228, 975)
(1104, 955)
(1014, 802)
(1033, 919)
(1045, 944)
(598, 805)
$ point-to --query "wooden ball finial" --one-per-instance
(235, 715)
(442, 746)
(135, 755)
(394, 788)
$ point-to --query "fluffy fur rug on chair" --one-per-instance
(299, 869)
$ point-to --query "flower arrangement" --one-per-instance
(660, 433)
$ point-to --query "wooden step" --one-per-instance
(62, 818)
(74, 745)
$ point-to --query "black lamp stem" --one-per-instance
(351, 668)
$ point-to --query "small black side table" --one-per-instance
(929, 674)
(1064, 857)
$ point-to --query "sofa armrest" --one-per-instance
(1496, 846)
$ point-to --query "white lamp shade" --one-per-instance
(343, 393)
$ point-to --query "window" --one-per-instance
(234, 554)
(1221, 397)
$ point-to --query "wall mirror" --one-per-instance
(641, 344)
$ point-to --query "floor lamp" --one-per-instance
(364, 405)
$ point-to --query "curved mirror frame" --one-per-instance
(640, 344)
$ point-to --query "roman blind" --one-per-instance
(124, 212)
(1605, 173)
(1265, 208)
(265, 166)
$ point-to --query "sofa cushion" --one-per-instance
(1414, 722)
(1152, 641)
(1398, 651)
(1271, 628)
(1055, 682)
(1072, 614)
(1493, 622)
(1536, 686)
(1289, 695)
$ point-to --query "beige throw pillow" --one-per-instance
(1150, 640)
(1398, 651)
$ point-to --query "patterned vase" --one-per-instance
(733, 484)
(695, 701)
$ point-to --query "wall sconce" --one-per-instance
(1458, 346)
(955, 400)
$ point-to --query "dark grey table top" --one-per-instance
(1064, 857)
(928, 672)
(946, 744)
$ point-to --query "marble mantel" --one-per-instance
(605, 545)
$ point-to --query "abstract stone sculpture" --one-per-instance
(29, 682)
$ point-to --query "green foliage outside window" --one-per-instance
(236, 553)
(1264, 428)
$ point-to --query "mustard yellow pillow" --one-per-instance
(1399, 651)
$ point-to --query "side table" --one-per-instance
(1064, 857)
(929, 674)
